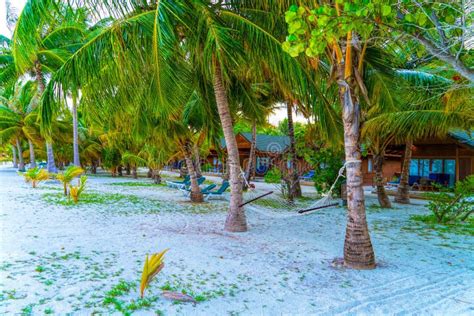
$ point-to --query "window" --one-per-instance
(370, 166)
(440, 170)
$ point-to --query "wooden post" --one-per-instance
(457, 163)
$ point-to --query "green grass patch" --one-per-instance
(92, 198)
(136, 184)
(459, 228)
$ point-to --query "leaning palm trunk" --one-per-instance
(32, 154)
(15, 161)
(196, 194)
(358, 251)
(50, 155)
(382, 196)
(404, 186)
(294, 189)
(21, 161)
(75, 131)
(236, 220)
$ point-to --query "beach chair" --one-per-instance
(179, 184)
(219, 192)
(187, 191)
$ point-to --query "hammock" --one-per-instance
(264, 202)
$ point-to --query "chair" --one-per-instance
(187, 191)
(219, 192)
(179, 184)
(308, 176)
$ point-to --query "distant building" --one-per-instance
(443, 160)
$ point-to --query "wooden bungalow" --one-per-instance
(269, 152)
(442, 160)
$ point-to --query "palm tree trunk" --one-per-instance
(236, 220)
(358, 251)
(156, 176)
(134, 172)
(32, 154)
(21, 165)
(15, 160)
(382, 196)
(75, 132)
(294, 183)
(49, 146)
(128, 169)
(197, 161)
(250, 172)
(404, 186)
(196, 194)
(50, 155)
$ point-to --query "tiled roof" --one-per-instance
(267, 143)
(463, 137)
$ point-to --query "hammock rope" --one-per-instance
(268, 200)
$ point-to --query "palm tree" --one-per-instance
(15, 110)
(43, 38)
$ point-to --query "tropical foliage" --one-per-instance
(129, 84)
(76, 191)
(35, 176)
(152, 266)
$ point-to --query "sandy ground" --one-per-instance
(58, 259)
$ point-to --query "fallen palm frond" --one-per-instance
(35, 175)
(181, 297)
(153, 265)
(75, 191)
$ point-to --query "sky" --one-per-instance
(278, 115)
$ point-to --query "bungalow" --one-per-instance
(443, 160)
(269, 152)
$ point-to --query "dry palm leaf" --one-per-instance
(176, 296)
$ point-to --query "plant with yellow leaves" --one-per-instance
(35, 175)
(68, 175)
(153, 265)
(75, 191)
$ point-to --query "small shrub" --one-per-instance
(450, 207)
(68, 175)
(273, 175)
(35, 175)
(75, 191)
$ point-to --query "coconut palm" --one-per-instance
(15, 114)
(45, 35)
(35, 175)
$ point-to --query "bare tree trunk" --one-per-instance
(403, 194)
(128, 169)
(32, 154)
(21, 165)
(134, 172)
(358, 251)
(50, 155)
(197, 161)
(236, 220)
(75, 131)
(382, 196)
(94, 167)
(196, 194)
(294, 189)
(15, 160)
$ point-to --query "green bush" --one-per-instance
(273, 175)
(448, 207)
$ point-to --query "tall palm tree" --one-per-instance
(213, 37)
(45, 35)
